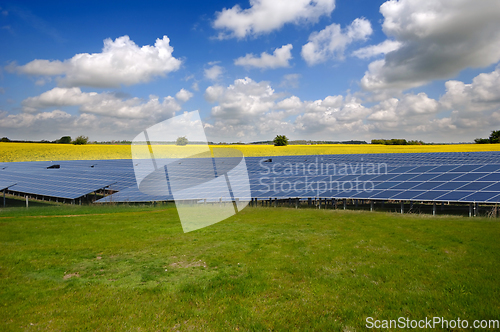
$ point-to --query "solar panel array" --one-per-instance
(453, 177)
(68, 179)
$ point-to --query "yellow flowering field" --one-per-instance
(40, 151)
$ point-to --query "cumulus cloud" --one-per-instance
(242, 99)
(183, 95)
(290, 81)
(482, 94)
(373, 50)
(264, 16)
(54, 124)
(120, 62)
(439, 38)
(280, 58)
(106, 104)
(213, 73)
(331, 42)
(394, 109)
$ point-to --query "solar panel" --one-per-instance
(482, 196)
(430, 195)
(408, 176)
(491, 177)
(451, 185)
(428, 185)
(407, 195)
(4, 184)
(405, 185)
(454, 196)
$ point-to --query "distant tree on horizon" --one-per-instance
(280, 140)
(64, 140)
(181, 141)
(494, 138)
(81, 140)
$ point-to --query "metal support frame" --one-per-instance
(371, 206)
(4, 198)
(345, 203)
(433, 208)
(402, 207)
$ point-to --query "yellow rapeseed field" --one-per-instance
(39, 151)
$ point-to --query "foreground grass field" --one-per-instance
(132, 268)
(36, 151)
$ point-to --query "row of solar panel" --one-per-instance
(76, 178)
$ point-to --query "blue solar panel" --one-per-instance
(474, 186)
(451, 185)
(470, 177)
(493, 187)
(385, 185)
(454, 196)
(430, 195)
(405, 185)
(482, 196)
(387, 194)
(403, 177)
(444, 168)
(488, 168)
(428, 185)
(430, 176)
(424, 177)
(407, 195)
(4, 184)
(491, 177)
(446, 177)
(465, 168)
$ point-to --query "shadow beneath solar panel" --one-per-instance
(16, 201)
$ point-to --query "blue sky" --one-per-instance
(321, 70)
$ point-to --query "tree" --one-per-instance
(81, 140)
(482, 141)
(5, 139)
(64, 140)
(495, 136)
(182, 141)
(280, 140)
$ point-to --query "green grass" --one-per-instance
(132, 268)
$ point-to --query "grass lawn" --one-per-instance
(132, 268)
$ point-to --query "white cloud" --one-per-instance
(121, 62)
(408, 105)
(183, 95)
(213, 72)
(54, 124)
(331, 42)
(290, 81)
(24, 120)
(373, 50)
(105, 104)
(279, 58)
(244, 98)
(482, 94)
(264, 16)
(439, 38)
